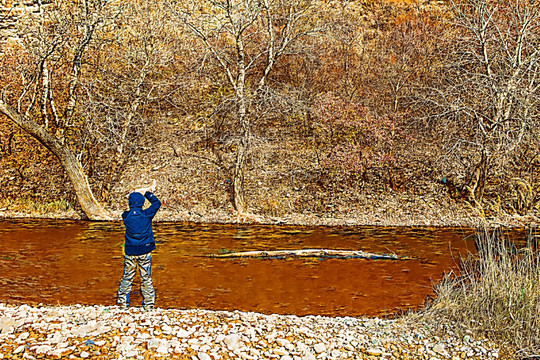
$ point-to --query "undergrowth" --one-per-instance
(28, 205)
(496, 293)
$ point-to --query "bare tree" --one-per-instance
(247, 39)
(487, 100)
(43, 100)
(124, 87)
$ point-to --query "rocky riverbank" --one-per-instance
(99, 332)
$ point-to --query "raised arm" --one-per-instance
(155, 204)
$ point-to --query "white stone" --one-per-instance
(245, 356)
(153, 343)
(203, 356)
(308, 356)
(23, 336)
(79, 331)
(163, 347)
(439, 349)
(19, 350)
(281, 351)
(56, 338)
(283, 342)
(231, 341)
(124, 347)
(319, 348)
(43, 349)
(166, 329)
(144, 336)
(6, 325)
(254, 352)
(374, 352)
(59, 352)
(183, 333)
(336, 353)
(127, 339)
(131, 353)
(84, 355)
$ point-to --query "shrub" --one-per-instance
(351, 138)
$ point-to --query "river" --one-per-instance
(74, 262)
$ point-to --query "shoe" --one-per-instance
(148, 307)
(123, 306)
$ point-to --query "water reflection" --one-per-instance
(70, 262)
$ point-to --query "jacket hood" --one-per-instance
(136, 200)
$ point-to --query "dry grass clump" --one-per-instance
(496, 293)
(35, 207)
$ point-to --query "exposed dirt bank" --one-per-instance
(385, 213)
(287, 190)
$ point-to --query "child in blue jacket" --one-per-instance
(139, 243)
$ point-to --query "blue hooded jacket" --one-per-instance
(138, 223)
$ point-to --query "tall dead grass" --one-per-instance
(496, 293)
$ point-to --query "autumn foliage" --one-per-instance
(352, 139)
(299, 106)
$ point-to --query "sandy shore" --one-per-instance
(98, 332)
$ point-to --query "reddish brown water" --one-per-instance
(66, 262)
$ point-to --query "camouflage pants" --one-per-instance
(144, 262)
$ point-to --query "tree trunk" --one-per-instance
(91, 208)
(243, 143)
(476, 185)
(238, 177)
(239, 166)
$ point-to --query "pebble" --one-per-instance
(374, 352)
(319, 348)
(204, 356)
(102, 332)
(231, 341)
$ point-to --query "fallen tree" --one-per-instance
(317, 253)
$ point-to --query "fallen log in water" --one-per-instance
(318, 253)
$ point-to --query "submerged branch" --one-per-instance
(320, 253)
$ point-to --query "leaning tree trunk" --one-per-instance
(89, 205)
